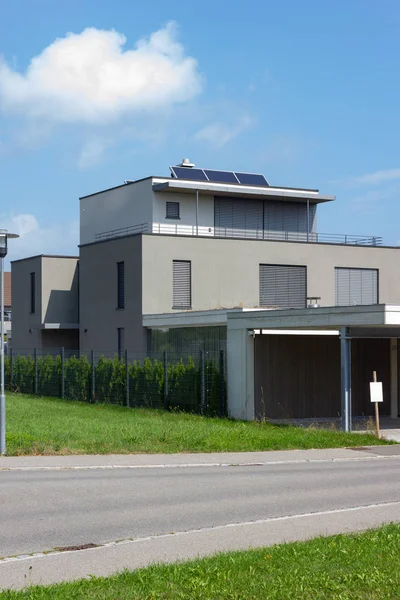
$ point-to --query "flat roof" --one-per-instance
(378, 320)
(326, 317)
(244, 191)
(172, 184)
(43, 256)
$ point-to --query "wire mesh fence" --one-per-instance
(163, 380)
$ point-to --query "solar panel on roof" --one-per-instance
(251, 179)
(221, 176)
(189, 173)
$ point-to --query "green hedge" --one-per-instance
(146, 381)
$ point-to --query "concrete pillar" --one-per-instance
(345, 360)
(394, 389)
(240, 374)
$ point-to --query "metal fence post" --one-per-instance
(36, 372)
(166, 400)
(222, 408)
(62, 373)
(93, 376)
(203, 381)
(11, 369)
(127, 378)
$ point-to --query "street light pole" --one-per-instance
(4, 235)
(2, 394)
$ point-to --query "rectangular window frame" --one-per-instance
(175, 305)
(120, 285)
(356, 269)
(304, 267)
(173, 210)
(32, 293)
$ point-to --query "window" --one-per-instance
(182, 284)
(283, 285)
(121, 285)
(356, 286)
(33, 292)
(172, 211)
(121, 341)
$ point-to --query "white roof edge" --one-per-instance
(189, 318)
(178, 184)
(323, 317)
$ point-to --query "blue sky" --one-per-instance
(305, 92)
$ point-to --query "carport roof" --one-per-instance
(378, 319)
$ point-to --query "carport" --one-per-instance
(312, 363)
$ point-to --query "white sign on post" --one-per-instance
(376, 391)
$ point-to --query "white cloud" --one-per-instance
(219, 134)
(376, 178)
(61, 238)
(89, 77)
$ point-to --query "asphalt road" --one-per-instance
(42, 510)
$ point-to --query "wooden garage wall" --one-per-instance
(299, 376)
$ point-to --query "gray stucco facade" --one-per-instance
(99, 316)
(224, 274)
(54, 320)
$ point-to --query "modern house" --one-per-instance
(164, 258)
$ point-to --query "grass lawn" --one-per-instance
(346, 567)
(53, 426)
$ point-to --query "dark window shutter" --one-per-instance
(181, 284)
(33, 293)
(121, 341)
(283, 285)
(238, 218)
(172, 210)
(121, 285)
(356, 286)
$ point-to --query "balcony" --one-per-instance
(243, 234)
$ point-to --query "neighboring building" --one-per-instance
(47, 307)
(166, 261)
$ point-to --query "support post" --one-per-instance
(36, 372)
(127, 378)
(203, 382)
(240, 373)
(62, 373)
(166, 402)
(308, 218)
(11, 370)
(197, 212)
(394, 381)
(378, 431)
(345, 359)
(2, 392)
(222, 409)
(93, 376)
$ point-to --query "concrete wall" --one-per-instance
(57, 285)
(60, 287)
(187, 222)
(98, 295)
(60, 338)
(225, 273)
(22, 319)
(120, 207)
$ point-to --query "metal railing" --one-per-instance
(246, 234)
(122, 231)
